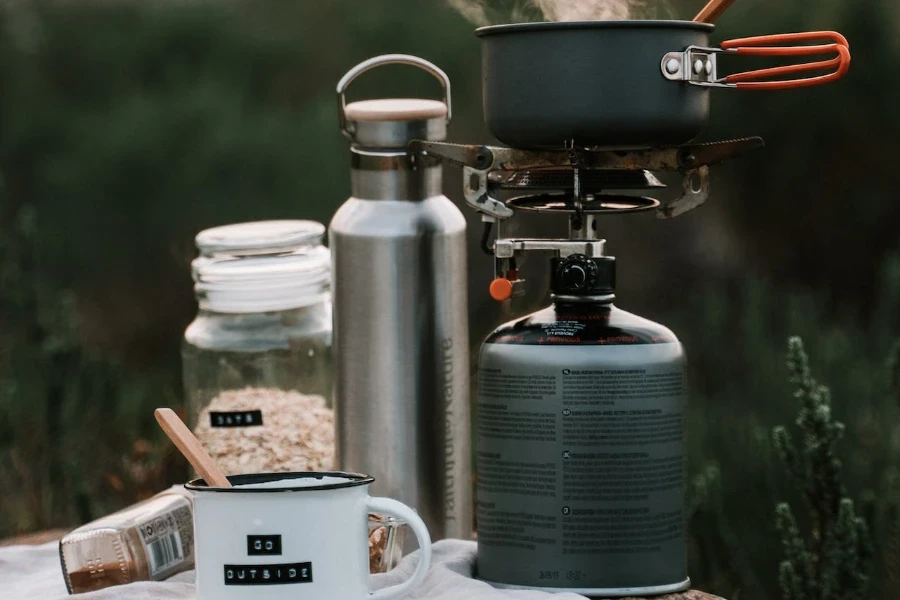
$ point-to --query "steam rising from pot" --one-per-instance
(588, 10)
(493, 12)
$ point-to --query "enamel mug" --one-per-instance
(297, 536)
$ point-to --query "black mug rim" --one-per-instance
(350, 480)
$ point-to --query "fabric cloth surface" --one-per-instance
(34, 573)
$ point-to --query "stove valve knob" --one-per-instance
(510, 285)
(576, 274)
(501, 289)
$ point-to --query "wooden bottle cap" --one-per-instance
(395, 109)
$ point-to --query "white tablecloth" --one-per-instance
(33, 573)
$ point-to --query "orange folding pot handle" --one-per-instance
(698, 65)
(780, 45)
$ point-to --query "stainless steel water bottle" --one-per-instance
(400, 324)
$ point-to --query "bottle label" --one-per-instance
(581, 466)
(240, 418)
(167, 540)
(583, 329)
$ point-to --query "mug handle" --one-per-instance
(401, 511)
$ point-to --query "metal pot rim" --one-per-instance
(555, 25)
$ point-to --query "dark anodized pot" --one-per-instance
(596, 83)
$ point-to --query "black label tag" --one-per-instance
(263, 545)
(268, 574)
(241, 418)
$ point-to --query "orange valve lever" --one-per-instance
(501, 289)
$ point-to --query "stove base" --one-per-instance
(655, 590)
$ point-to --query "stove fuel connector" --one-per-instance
(580, 275)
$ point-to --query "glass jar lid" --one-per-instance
(261, 266)
(259, 237)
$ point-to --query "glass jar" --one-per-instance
(257, 358)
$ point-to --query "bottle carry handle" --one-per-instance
(388, 59)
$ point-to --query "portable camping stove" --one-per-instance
(583, 183)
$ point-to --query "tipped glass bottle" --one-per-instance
(149, 541)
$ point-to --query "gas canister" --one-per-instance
(580, 446)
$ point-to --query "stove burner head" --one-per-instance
(565, 204)
(489, 171)
(592, 181)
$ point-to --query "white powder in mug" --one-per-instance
(296, 482)
(297, 432)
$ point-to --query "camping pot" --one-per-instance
(629, 84)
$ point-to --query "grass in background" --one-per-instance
(75, 438)
(740, 389)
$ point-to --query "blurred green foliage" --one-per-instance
(126, 127)
(740, 389)
(833, 561)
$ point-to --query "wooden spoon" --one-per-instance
(712, 11)
(191, 448)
